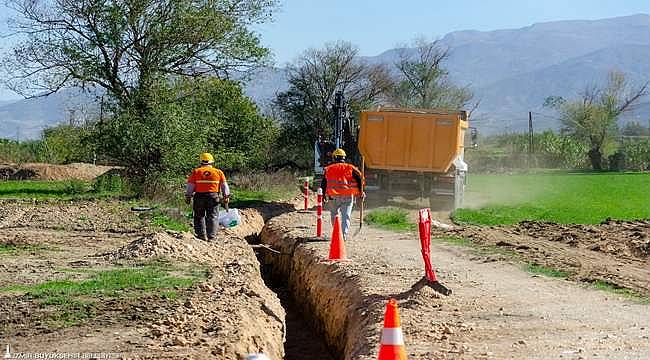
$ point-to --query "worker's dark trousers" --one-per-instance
(206, 214)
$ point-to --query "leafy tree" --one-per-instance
(125, 46)
(188, 117)
(593, 117)
(133, 49)
(305, 109)
(65, 144)
(423, 82)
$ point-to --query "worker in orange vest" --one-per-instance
(341, 183)
(208, 186)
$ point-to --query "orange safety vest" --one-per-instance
(340, 180)
(206, 179)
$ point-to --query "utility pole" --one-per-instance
(530, 133)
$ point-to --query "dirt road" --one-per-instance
(497, 310)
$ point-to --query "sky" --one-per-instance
(379, 25)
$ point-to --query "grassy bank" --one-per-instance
(390, 218)
(71, 302)
(102, 187)
(584, 198)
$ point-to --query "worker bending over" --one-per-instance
(341, 183)
(207, 184)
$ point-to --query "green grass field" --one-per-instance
(71, 302)
(583, 198)
(65, 190)
(390, 218)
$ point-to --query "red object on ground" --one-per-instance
(392, 340)
(424, 225)
(337, 246)
(319, 213)
(306, 193)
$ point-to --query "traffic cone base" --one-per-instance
(337, 245)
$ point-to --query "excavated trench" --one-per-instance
(325, 310)
(328, 317)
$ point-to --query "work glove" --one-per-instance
(188, 199)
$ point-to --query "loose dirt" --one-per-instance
(497, 310)
(614, 252)
(41, 171)
(228, 315)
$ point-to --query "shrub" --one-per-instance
(75, 187)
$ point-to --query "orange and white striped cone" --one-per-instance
(337, 245)
(392, 340)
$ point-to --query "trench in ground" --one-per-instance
(303, 340)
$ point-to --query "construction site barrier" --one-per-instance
(319, 213)
(306, 194)
(424, 227)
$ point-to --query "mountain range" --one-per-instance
(510, 71)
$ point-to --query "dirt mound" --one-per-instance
(177, 246)
(617, 238)
(230, 314)
(614, 252)
(40, 171)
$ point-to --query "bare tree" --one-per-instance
(123, 45)
(593, 117)
(423, 81)
(318, 74)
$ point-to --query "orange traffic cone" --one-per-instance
(392, 341)
(337, 246)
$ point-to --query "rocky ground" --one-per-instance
(497, 309)
(228, 314)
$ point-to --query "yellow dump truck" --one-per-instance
(413, 153)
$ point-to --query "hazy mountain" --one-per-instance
(511, 71)
(24, 119)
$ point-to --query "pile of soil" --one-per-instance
(41, 171)
(614, 252)
(230, 314)
(171, 245)
(624, 239)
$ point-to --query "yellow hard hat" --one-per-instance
(206, 158)
(338, 153)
